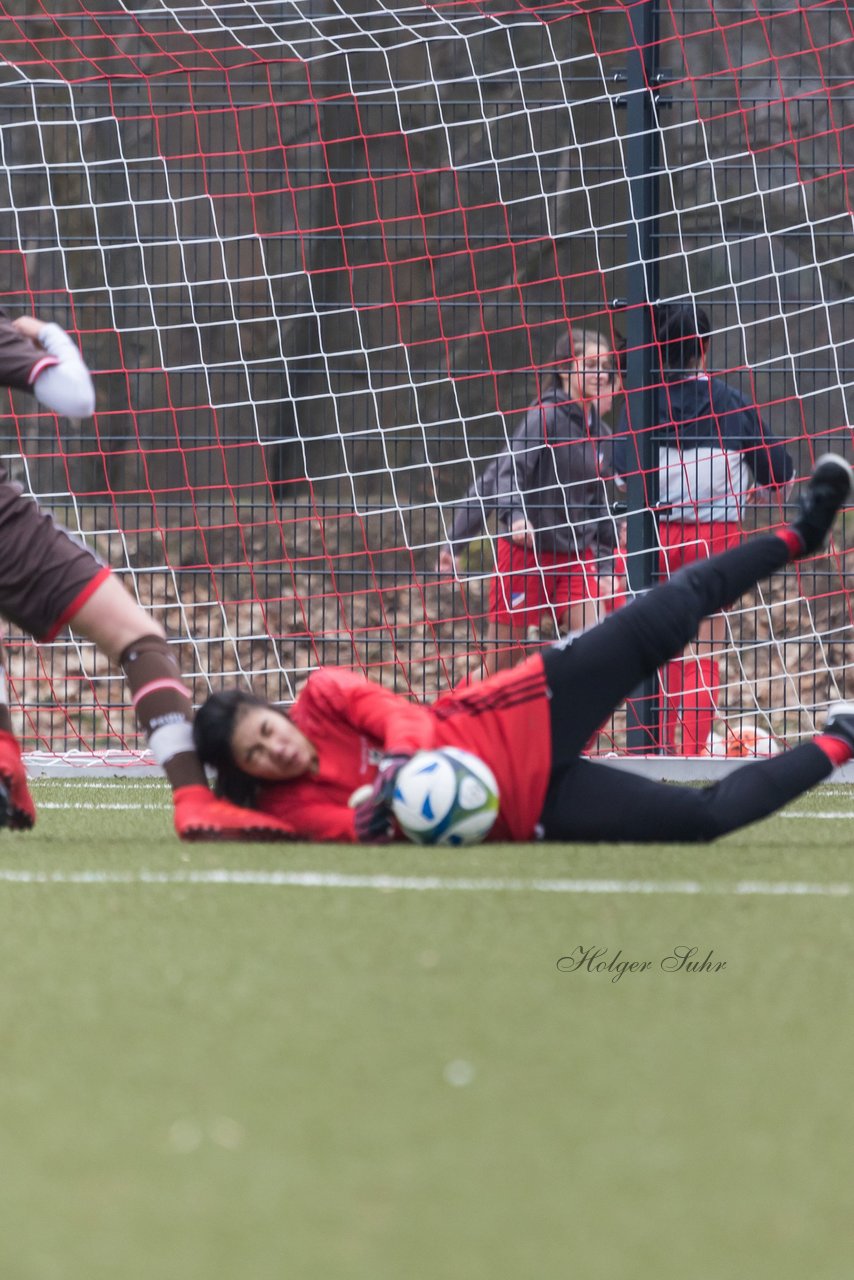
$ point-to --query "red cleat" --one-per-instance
(201, 816)
(17, 810)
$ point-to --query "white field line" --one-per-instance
(387, 883)
(80, 804)
(165, 807)
(158, 784)
(825, 813)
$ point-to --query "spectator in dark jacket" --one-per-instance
(714, 453)
(547, 489)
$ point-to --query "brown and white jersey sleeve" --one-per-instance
(21, 360)
(52, 368)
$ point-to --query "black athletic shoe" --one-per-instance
(824, 493)
(840, 722)
(5, 805)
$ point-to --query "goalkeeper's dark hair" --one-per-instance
(682, 331)
(213, 729)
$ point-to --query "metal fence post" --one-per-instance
(642, 367)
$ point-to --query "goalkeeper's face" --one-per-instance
(266, 745)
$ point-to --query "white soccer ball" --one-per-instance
(447, 796)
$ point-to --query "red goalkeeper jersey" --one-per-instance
(352, 722)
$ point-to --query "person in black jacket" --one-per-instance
(714, 453)
(555, 554)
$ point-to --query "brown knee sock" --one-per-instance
(163, 709)
(5, 713)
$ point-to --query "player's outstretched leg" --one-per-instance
(591, 801)
(592, 676)
(164, 711)
(722, 580)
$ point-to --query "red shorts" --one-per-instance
(683, 543)
(526, 585)
(46, 574)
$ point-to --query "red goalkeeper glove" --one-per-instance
(374, 820)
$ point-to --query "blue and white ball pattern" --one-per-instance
(447, 797)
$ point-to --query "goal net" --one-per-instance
(318, 256)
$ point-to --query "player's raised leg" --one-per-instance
(593, 802)
(601, 668)
(48, 579)
(113, 620)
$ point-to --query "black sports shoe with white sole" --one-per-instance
(824, 493)
(840, 722)
(5, 805)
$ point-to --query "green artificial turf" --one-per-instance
(224, 1081)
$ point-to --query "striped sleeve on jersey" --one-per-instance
(488, 699)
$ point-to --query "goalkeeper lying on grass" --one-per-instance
(529, 724)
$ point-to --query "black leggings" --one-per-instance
(593, 674)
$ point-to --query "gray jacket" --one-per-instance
(553, 475)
